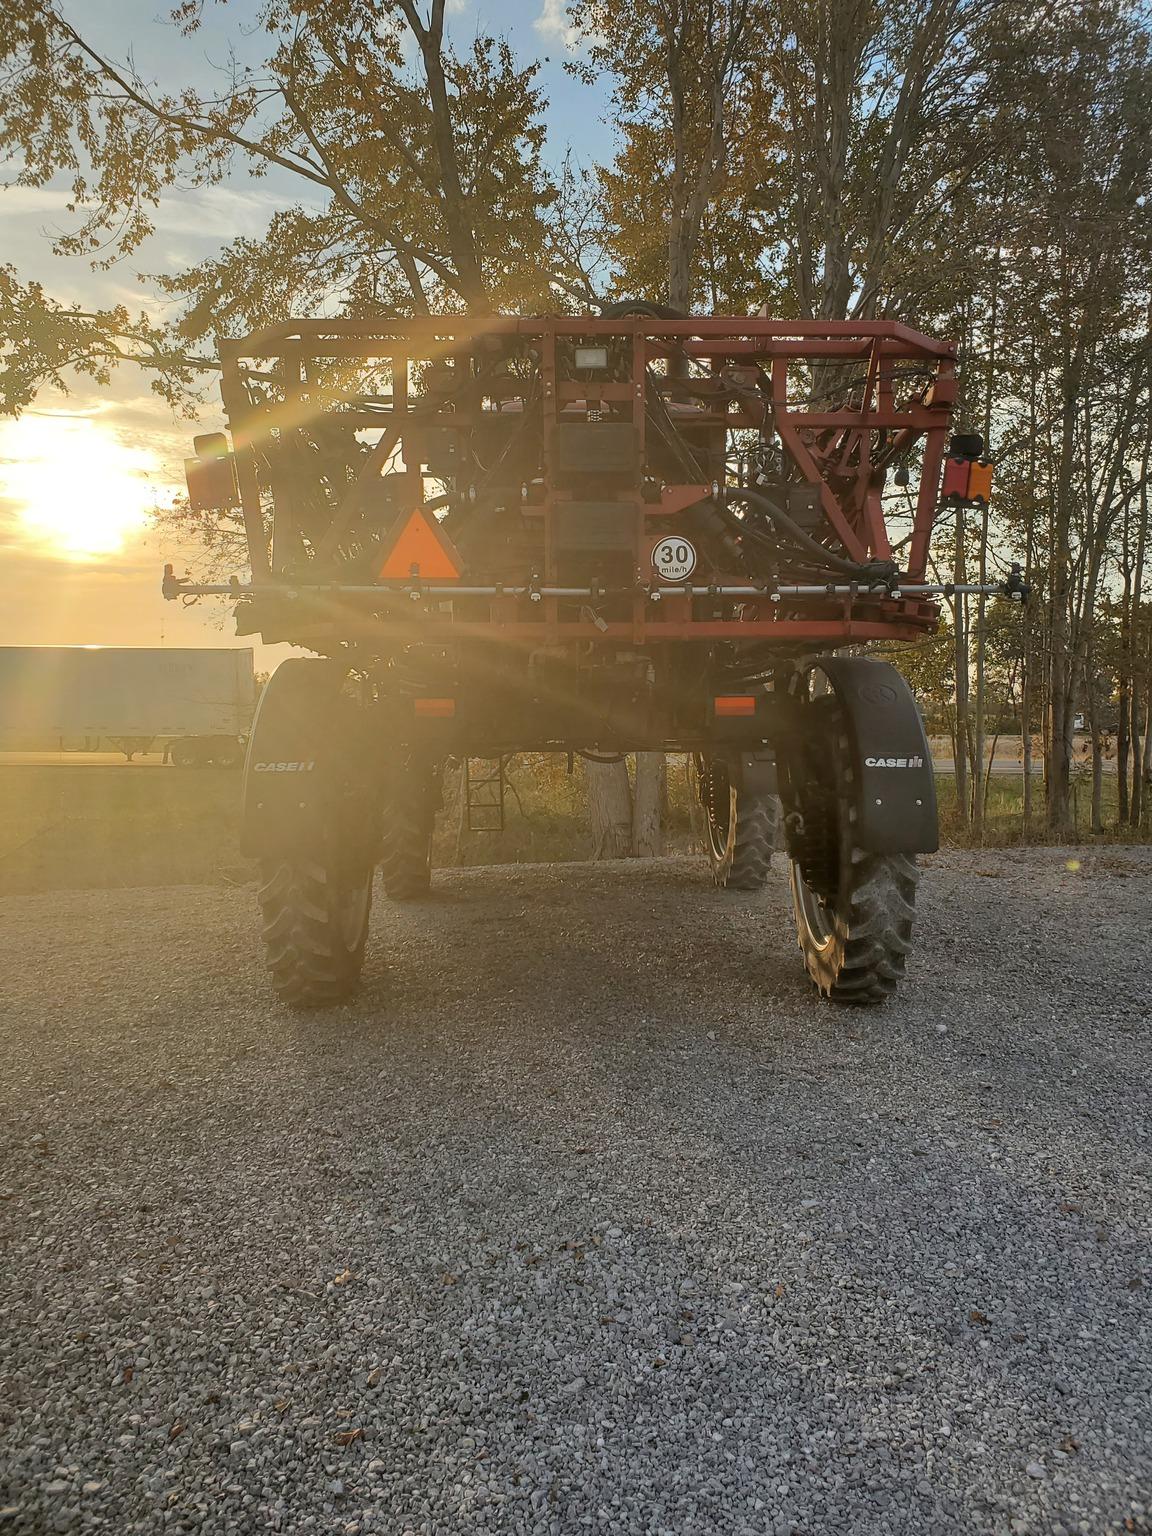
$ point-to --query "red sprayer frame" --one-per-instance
(305, 585)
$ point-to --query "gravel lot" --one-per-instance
(586, 1218)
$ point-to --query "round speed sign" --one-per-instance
(674, 559)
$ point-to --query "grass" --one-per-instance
(1004, 823)
(92, 826)
(96, 826)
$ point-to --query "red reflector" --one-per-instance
(435, 709)
(735, 704)
(956, 478)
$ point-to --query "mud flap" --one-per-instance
(891, 761)
(312, 774)
(754, 774)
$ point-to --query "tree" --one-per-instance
(678, 69)
(45, 343)
(978, 168)
(422, 186)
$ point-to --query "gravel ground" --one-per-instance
(586, 1218)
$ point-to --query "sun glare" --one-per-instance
(74, 488)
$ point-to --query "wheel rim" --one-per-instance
(721, 811)
(813, 911)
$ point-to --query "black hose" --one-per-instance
(872, 570)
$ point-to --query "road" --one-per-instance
(1002, 765)
(81, 759)
(585, 1217)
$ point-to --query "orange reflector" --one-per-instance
(435, 709)
(731, 705)
(419, 546)
(980, 481)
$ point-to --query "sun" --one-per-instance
(74, 488)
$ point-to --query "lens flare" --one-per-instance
(73, 488)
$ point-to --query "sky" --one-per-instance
(80, 558)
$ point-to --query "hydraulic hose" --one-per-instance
(872, 570)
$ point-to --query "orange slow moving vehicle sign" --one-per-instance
(419, 547)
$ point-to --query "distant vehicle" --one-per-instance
(197, 702)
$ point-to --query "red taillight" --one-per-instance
(435, 709)
(731, 706)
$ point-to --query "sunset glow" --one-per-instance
(73, 488)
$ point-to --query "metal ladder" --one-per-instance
(484, 793)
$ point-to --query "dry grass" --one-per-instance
(94, 826)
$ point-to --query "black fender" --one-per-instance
(312, 772)
(895, 787)
(753, 774)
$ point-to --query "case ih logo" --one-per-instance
(893, 762)
(283, 767)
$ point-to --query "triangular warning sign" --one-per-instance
(418, 540)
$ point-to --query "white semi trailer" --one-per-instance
(198, 702)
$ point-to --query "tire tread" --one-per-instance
(309, 965)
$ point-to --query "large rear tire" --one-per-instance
(741, 830)
(855, 908)
(311, 819)
(315, 929)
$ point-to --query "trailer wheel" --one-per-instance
(406, 846)
(315, 929)
(229, 754)
(854, 908)
(185, 753)
(741, 830)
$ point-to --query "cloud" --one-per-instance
(553, 22)
(27, 200)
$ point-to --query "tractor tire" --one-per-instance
(315, 927)
(741, 831)
(406, 845)
(855, 908)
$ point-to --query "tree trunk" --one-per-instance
(961, 632)
(1097, 755)
(1141, 809)
(609, 809)
(1026, 758)
(980, 735)
(647, 798)
(1138, 640)
(1141, 736)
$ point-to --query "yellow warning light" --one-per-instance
(419, 547)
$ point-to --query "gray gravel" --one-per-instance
(588, 1219)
